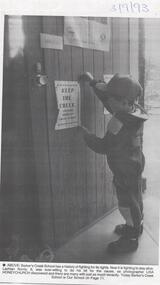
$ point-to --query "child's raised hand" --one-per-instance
(87, 76)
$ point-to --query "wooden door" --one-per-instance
(77, 174)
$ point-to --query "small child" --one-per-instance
(122, 145)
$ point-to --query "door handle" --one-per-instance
(41, 79)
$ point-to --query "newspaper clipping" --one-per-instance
(80, 157)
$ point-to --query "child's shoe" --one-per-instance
(128, 231)
(123, 245)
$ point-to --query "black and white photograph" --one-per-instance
(80, 156)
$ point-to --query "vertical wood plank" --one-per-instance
(99, 115)
(120, 45)
(89, 121)
(116, 45)
(51, 61)
(134, 43)
(124, 45)
(109, 195)
(69, 148)
(80, 154)
(141, 57)
(107, 55)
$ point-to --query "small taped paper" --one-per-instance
(51, 41)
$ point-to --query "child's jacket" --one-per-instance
(122, 141)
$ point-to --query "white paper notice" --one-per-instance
(99, 36)
(68, 99)
(86, 33)
(76, 32)
(51, 41)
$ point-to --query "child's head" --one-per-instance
(121, 93)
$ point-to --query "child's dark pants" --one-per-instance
(127, 180)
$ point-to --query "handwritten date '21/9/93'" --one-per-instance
(130, 7)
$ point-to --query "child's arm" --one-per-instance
(95, 143)
(99, 88)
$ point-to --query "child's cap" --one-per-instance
(122, 87)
